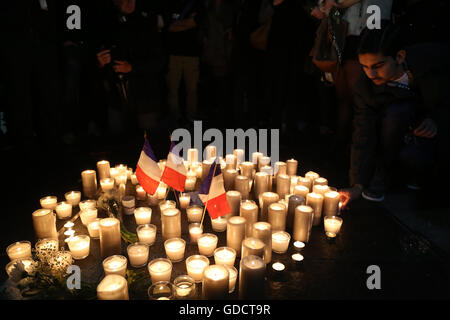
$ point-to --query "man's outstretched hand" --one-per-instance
(350, 194)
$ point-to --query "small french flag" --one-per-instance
(148, 172)
(212, 193)
(174, 174)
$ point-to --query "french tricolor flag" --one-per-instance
(174, 174)
(148, 172)
(212, 193)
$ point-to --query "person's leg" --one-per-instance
(175, 72)
(191, 76)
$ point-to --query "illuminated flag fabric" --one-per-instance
(148, 172)
(174, 174)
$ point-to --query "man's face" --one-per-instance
(380, 69)
(125, 6)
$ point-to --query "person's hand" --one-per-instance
(427, 129)
(350, 194)
(122, 66)
(104, 57)
(317, 13)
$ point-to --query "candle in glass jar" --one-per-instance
(263, 231)
(215, 283)
(331, 203)
(304, 216)
(277, 216)
(234, 201)
(252, 246)
(225, 256)
(163, 205)
(315, 201)
(161, 191)
(113, 287)
(73, 197)
(241, 184)
(146, 233)
(19, 250)
(249, 210)
(207, 243)
(63, 210)
(29, 265)
(195, 231)
(219, 224)
(88, 216)
(280, 241)
(195, 265)
(266, 199)
(103, 169)
(175, 248)
(94, 228)
(160, 269)
(194, 213)
(113, 172)
(87, 204)
(89, 182)
(251, 278)
(110, 238)
(138, 254)
(236, 232)
(143, 215)
(185, 200)
(49, 202)
(332, 225)
(171, 223)
(79, 246)
(141, 194)
(184, 287)
(115, 264)
(44, 223)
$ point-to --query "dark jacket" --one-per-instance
(429, 65)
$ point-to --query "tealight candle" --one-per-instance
(280, 241)
(195, 231)
(63, 210)
(331, 201)
(19, 250)
(115, 264)
(185, 200)
(146, 233)
(249, 210)
(87, 204)
(163, 205)
(251, 278)
(89, 182)
(252, 246)
(219, 224)
(88, 216)
(233, 273)
(263, 231)
(277, 216)
(110, 238)
(73, 197)
(138, 254)
(143, 215)
(225, 256)
(278, 267)
(103, 169)
(241, 184)
(215, 283)
(171, 223)
(175, 248)
(304, 216)
(44, 223)
(49, 202)
(332, 225)
(160, 269)
(79, 246)
(113, 287)
(140, 193)
(194, 213)
(234, 201)
(184, 287)
(297, 259)
(195, 265)
(94, 228)
(236, 232)
(265, 200)
(207, 243)
(298, 245)
(315, 201)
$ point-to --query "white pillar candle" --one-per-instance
(241, 184)
(233, 273)
(291, 167)
(73, 197)
(46, 248)
(301, 190)
(103, 169)
(138, 254)
(265, 200)
(331, 203)
(240, 156)
(311, 175)
(255, 157)
(195, 231)
(277, 216)
(283, 185)
(294, 202)
(110, 238)
(160, 270)
(229, 176)
(115, 264)
(219, 224)
(303, 220)
(19, 250)
(63, 210)
(194, 213)
(175, 248)
(230, 161)
(44, 223)
(94, 228)
(192, 155)
(332, 225)
(236, 232)
(320, 188)
(113, 287)
(269, 171)
(249, 210)
(279, 167)
(87, 216)
(294, 180)
(263, 231)
(215, 283)
(247, 169)
(87, 204)
(171, 223)
(280, 241)
(195, 265)
(251, 278)
(210, 152)
(141, 194)
(185, 200)
(89, 182)
(199, 171)
(234, 201)
(304, 181)
(263, 161)
(225, 256)
(49, 202)
(321, 181)
(146, 233)
(261, 184)
(207, 243)
(79, 246)
(315, 201)
(252, 246)
(143, 215)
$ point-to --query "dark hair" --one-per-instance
(387, 40)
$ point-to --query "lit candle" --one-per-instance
(113, 172)
(87, 216)
(233, 277)
(304, 181)
(185, 200)
(113, 287)
(146, 233)
(161, 191)
(184, 287)
(311, 175)
(161, 290)
(332, 225)
(249, 210)
(141, 194)
(49, 202)
(297, 259)
(73, 197)
(231, 161)
(195, 265)
(265, 200)
(234, 201)
(121, 169)
(279, 167)
(294, 202)
(304, 216)
(255, 157)
(46, 248)
(152, 200)
(225, 256)
(269, 171)
(236, 232)
(252, 246)
(263, 161)
(120, 179)
(44, 223)
(280, 241)
(291, 168)
(163, 205)
(89, 182)
(115, 264)
(210, 152)
(103, 169)
(87, 204)
(283, 185)
(320, 188)
(247, 169)
(134, 179)
(241, 184)
(94, 228)
(294, 180)
(79, 246)
(261, 184)
(190, 182)
(331, 203)
(171, 223)
(175, 248)
(301, 190)
(63, 210)
(19, 250)
(192, 156)
(199, 171)
(315, 201)
(263, 231)
(194, 213)
(138, 254)
(277, 216)
(229, 176)
(195, 231)
(219, 224)
(240, 155)
(160, 269)
(110, 238)
(143, 215)
(216, 282)
(251, 278)
(299, 245)
(207, 243)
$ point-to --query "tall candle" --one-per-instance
(19, 250)
(283, 185)
(251, 278)
(320, 188)
(240, 156)
(229, 175)
(73, 197)
(304, 216)
(79, 246)
(266, 199)
(332, 225)
(263, 161)
(311, 175)
(49, 202)
(263, 231)
(249, 210)
(94, 228)
(194, 213)
(241, 184)
(304, 181)
(143, 215)
(207, 243)
(175, 248)
(269, 171)
(247, 169)
(294, 180)
(230, 161)
(160, 269)
(225, 256)
(292, 166)
(206, 166)
(216, 282)
(63, 210)
(192, 156)
(219, 224)
(195, 231)
(253, 246)
(331, 203)
(315, 201)
(195, 265)
(277, 216)
(146, 233)
(261, 184)
(110, 238)
(138, 254)
(113, 287)
(236, 232)
(280, 241)
(279, 167)
(103, 169)
(301, 190)
(255, 157)
(184, 200)
(294, 202)
(134, 179)
(89, 182)
(116, 264)
(44, 222)
(210, 152)
(234, 201)
(171, 223)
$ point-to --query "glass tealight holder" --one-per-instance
(332, 226)
(161, 290)
(46, 248)
(146, 233)
(184, 287)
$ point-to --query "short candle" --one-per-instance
(146, 233)
(138, 254)
(87, 204)
(94, 228)
(219, 224)
(195, 231)
(207, 243)
(116, 264)
(225, 256)
(184, 199)
(73, 197)
(194, 213)
(332, 225)
(63, 210)
(143, 215)
(87, 216)
(19, 250)
(140, 193)
(107, 184)
(175, 248)
(195, 265)
(49, 202)
(113, 287)
(79, 246)
(280, 241)
(160, 269)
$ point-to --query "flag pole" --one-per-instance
(207, 197)
(176, 198)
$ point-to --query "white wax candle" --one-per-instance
(89, 182)
(225, 256)
(19, 250)
(236, 232)
(175, 248)
(113, 172)
(251, 278)
(291, 167)
(160, 270)
(233, 273)
(249, 210)
(140, 193)
(79, 246)
(311, 175)
(146, 233)
(255, 157)
(315, 201)
(241, 184)
(171, 223)
(44, 223)
(265, 200)
(210, 152)
(94, 228)
(194, 213)
(195, 265)
(103, 169)
(331, 201)
(304, 181)
(263, 231)
(138, 254)
(184, 199)
(303, 221)
(261, 183)
(230, 161)
(49, 202)
(299, 245)
(239, 155)
(163, 205)
(115, 264)
(88, 216)
(190, 183)
(143, 215)
(207, 243)
(73, 197)
(320, 188)
(219, 224)
(332, 225)
(113, 287)
(192, 156)
(87, 204)
(263, 161)
(195, 231)
(252, 246)
(161, 191)
(63, 210)
(121, 169)
(216, 282)
(301, 190)
(280, 241)
(120, 179)
(234, 201)
(247, 169)
(277, 216)
(110, 239)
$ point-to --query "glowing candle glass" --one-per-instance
(207, 243)
(225, 256)
(49, 202)
(87, 216)
(184, 287)
(175, 249)
(79, 246)
(146, 233)
(215, 283)
(194, 213)
(140, 193)
(195, 265)
(113, 287)
(143, 215)
(116, 264)
(19, 250)
(332, 225)
(73, 197)
(219, 224)
(195, 231)
(280, 241)
(138, 254)
(94, 228)
(87, 204)
(160, 269)
(107, 184)
(63, 210)
(161, 290)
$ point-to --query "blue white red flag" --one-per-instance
(148, 172)
(174, 174)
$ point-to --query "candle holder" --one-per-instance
(195, 231)
(113, 287)
(161, 290)
(332, 226)
(116, 264)
(225, 256)
(146, 233)
(138, 254)
(207, 243)
(278, 271)
(194, 213)
(297, 261)
(19, 250)
(73, 197)
(175, 249)
(46, 249)
(143, 215)
(160, 269)
(195, 265)
(184, 288)
(59, 263)
(79, 246)
(87, 204)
